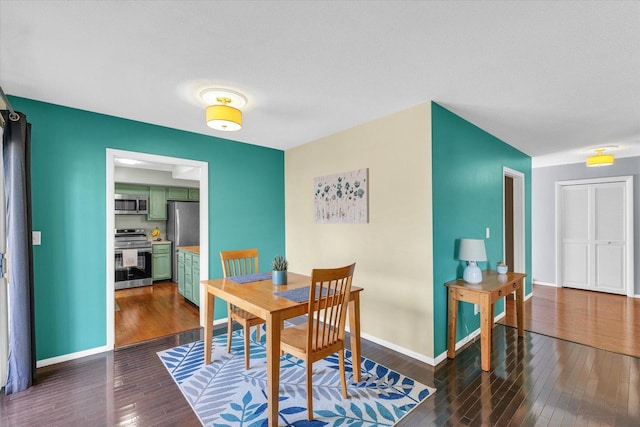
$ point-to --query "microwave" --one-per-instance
(131, 204)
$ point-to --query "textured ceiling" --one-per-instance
(553, 79)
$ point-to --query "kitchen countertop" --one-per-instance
(194, 249)
(160, 242)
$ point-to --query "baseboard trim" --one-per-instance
(71, 356)
(553, 285)
(399, 349)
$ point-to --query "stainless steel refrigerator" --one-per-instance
(183, 228)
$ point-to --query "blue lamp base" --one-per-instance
(472, 273)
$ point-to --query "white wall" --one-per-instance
(393, 252)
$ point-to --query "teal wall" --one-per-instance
(246, 209)
(467, 198)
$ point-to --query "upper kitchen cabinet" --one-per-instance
(177, 193)
(157, 204)
(183, 194)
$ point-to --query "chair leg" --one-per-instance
(343, 377)
(257, 333)
(309, 391)
(247, 346)
(229, 332)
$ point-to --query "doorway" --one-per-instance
(199, 171)
(513, 219)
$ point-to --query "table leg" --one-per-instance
(273, 367)
(520, 308)
(208, 326)
(485, 330)
(354, 333)
(452, 326)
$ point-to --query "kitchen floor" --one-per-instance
(150, 312)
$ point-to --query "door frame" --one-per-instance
(519, 235)
(628, 181)
(111, 155)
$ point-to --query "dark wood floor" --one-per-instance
(535, 380)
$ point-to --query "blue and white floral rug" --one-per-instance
(225, 394)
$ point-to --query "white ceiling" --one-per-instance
(553, 79)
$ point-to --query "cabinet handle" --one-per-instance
(499, 293)
(515, 285)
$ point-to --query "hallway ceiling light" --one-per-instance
(600, 159)
(223, 111)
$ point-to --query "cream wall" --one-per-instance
(393, 251)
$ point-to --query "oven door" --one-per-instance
(138, 275)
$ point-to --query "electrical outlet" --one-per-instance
(476, 309)
(36, 238)
(488, 233)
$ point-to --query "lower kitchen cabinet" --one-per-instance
(189, 276)
(161, 261)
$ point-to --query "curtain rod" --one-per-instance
(12, 114)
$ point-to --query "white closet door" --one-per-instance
(575, 239)
(593, 236)
(609, 237)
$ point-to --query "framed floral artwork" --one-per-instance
(342, 198)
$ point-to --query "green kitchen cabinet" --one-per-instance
(161, 261)
(183, 194)
(157, 204)
(177, 193)
(195, 279)
(181, 272)
(189, 276)
(194, 194)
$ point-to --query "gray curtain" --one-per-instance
(16, 146)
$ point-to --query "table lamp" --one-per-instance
(472, 251)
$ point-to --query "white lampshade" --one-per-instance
(472, 251)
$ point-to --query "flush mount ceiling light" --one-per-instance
(600, 159)
(223, 111)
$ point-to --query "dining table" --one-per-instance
(262, 299)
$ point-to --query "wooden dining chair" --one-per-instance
(323, 333)
(238, 263)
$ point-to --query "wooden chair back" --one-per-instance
(239, 262)
(327, 312)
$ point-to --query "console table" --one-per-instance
(493, 287)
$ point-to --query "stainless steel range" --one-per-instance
(132, 258)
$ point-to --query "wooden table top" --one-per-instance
(491, 281)
(260, 296)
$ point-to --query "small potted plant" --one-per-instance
(279, 270)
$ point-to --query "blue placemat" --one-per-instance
(299, 294)
(251, 277)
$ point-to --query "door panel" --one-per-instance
(610, 268)
(609, 212)
(575, 220)
(576, 255)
